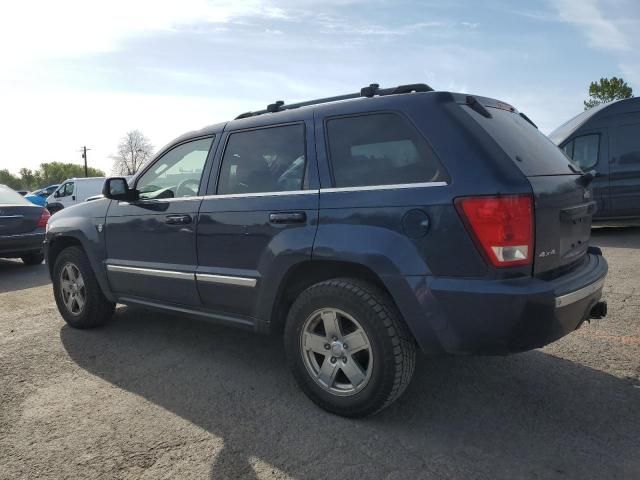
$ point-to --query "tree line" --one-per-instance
(134, 150)
(47, 174)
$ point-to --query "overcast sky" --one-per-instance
(77, 72)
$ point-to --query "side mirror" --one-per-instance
(117, 188)
(56, 193)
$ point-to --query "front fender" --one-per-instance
(84, 224)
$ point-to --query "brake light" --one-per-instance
(44, 218)
(502, 226)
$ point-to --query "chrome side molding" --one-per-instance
(397, 186)
(152, 272)
(202, 277)
(227, 280)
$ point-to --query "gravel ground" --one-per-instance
(155, 396)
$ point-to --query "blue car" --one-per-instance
(39, 197)
(357, 229)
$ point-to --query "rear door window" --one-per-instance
(380, 149)
(264, 160)
(529, 149)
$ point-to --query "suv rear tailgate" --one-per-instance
(563, 207)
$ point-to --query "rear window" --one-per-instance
(530, 150)
(380, 149)
(11, 197)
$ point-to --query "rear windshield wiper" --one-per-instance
(528, 119)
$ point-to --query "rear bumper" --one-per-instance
(465, 316)
(17, 245)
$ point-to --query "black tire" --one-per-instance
(97, 309)
(391, 345)
(32, 258)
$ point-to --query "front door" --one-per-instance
(66, 195)
(151, 243)
(260, 218)
(590, 151)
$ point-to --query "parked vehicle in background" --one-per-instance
(361, 227)
(606, 140)
(39, 197)
(74, 191)
(22, 227)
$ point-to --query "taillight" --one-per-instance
(502, 226)
(44, 218)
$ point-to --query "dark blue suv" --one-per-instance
(360, 227)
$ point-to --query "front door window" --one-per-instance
(177, 173)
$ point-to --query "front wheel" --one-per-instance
(348, 347)
(77, 292)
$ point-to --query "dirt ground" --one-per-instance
(155, 396)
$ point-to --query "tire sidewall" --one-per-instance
(379, 385)
(75, 256)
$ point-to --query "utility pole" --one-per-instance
(84, 156)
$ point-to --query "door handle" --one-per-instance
(73, 197)
(177, 219)
(287, 217)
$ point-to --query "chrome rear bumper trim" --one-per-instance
(584, 292)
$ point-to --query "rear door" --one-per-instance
(260, 214)
(151, 243)
(563, 207)
(625, 167)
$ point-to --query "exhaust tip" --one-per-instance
(599, 310)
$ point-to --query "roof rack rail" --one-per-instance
(370, 91)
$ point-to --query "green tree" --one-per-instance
(607, 90)
(30, 180)
(10, 180)
(57, 172)
(48, 174)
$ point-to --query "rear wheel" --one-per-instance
(32, 258)
(348, 347)
(77, 292)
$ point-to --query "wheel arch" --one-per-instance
(304, 274)
(59, 243)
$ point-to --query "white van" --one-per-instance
(72, 191)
